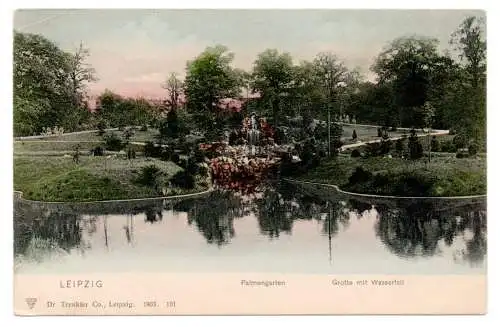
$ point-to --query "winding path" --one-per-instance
(358, 144)
(37, 139)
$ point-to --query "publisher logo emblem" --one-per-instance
(31, 302)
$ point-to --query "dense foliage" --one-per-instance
(49, 86)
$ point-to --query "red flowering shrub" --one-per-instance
(212, 150)
(242, 174)
(266, 129)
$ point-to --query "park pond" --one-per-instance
(286, 228)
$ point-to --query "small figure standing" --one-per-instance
(76, 155)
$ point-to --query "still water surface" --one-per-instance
(285, 229)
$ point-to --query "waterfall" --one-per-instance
(253, 136)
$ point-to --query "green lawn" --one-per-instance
(446, 175)
(94, 178)
(94, 137)
(139, 136)
(48, 145)
(59, 148)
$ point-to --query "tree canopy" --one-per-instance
(48, 85)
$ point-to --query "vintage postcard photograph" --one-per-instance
(236, 162)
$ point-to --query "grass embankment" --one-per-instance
(48, 147)
(138, 136)
(93, 179)
(444, 176)
(55, 145)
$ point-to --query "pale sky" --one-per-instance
(134, 50)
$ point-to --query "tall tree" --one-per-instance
(80, 74)
(308, 93)
(445, 79)
(41, 92)
(174, 87)
(470, 41)
(406, 64)
(210, 78)
(273, 74)
(333, 74)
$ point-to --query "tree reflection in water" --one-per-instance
(60, 229)
(214, 215)
(416, 228)
(153, 214)
(275, 215)
(407, 228)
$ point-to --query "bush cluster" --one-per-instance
(183, 179)
(113, 142)
(150, 176)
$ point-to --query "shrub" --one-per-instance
(435, 146)
(400, 144)
(144, 128)
(173, 126)
(287, 167)
(149, 175)
(183, 179)
(97, 151)
(198, 156)
(462, 154)
(192, 167)
(166, 153)
(355, 153)
(113, 142)
(202, 170)
(127, 134)
(354, 135)
(372, 149)
(379, 132)
(417, 151)
(360, 176)
(473, 148)
(101, 126)
(394, 129)
(182, 163)
(130, 153)
(315, 161)
(380, 181)
(151, 150)
(414, 146)
(385, 144)
(460, 141)
(175, 158)
(412, 185)
(336, 145)
(448, 146)
(306, 154)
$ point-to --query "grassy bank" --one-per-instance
(138, 136)
(444, 176)
(93, 179)
(42, 147)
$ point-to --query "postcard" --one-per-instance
(264, 162)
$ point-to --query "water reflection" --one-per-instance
(453, 232)
(418, 228)
(213, 216)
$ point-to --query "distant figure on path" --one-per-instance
(76, 155)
